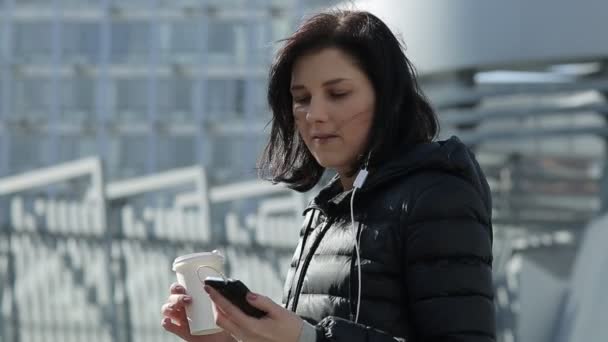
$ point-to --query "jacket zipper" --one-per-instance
(310, 219)
(351, 277)
(307, 261)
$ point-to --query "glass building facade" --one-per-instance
(148, 85)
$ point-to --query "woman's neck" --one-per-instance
(347, 182)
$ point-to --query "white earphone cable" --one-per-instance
(357, 240)
(361, 176)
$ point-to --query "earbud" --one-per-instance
(360, 179)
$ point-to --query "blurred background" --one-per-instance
(129, 132)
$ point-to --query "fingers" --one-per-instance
(175, 320)
(179, 300)
(223, 322)
(182, 330)
(229, 311)
(171, 311)
(174, 307)
(176, 288)
(263, 303)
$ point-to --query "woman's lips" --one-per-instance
(323, 138)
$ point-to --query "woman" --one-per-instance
(344, 97)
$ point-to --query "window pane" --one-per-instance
(228, 3)
(133, 3)
(128, 157)
(258, 96)
(4, 74)
(32, 42)
(225, 44)
(131, 99)
(76, 147)
(174, 99)
(167, 156)
(80, 42)
(221, 37)
(130, 42)
(181, 42)
(78, 98)
(4, 38)
(36, 3)
(79, 3)
(224, 154)
(27, 153)
(32, 97)
(224, 98)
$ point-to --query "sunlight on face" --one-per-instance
(333, 105)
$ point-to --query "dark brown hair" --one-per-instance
(402, 114)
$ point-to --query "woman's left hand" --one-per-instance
(279, 324)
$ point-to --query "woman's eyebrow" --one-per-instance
(326, 83)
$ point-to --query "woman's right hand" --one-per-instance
(175, 321)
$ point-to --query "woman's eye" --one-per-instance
(338, 95)
(301, 99)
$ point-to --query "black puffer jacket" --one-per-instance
(426, 253)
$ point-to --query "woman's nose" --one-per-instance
(317, 111)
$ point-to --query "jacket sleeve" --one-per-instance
(338, 329)
(447, 237)
(447, 251)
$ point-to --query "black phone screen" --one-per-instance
(235, 291)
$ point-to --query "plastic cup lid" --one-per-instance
(189, 257)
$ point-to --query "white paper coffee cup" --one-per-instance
(191, 271)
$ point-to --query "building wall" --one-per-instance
(135, 81)
(444, 35)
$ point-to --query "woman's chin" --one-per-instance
(332, 166)
(328, 162)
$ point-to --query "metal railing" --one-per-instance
(96, 265)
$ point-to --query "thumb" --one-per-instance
(262, 302)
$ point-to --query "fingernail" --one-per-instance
(179, 288)
(252, 296)
(187, 299)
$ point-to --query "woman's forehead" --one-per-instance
(325, 67)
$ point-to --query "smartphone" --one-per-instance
(235, 291)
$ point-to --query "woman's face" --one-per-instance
(333, 106)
